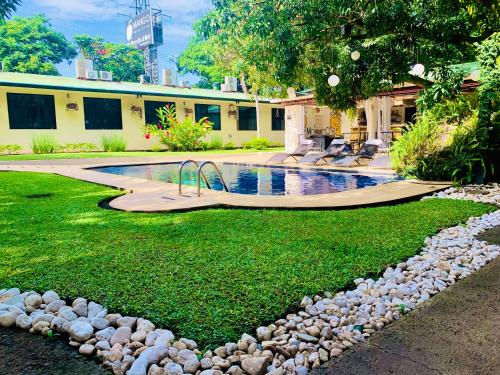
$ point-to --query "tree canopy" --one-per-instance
(7, 7)
(124, 61)
(30, 45)
(300, 43)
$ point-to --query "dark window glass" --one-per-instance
(247, 118)
(210, 111)
(278, 122)
(102, 113)
(150, 107)
(29, 111)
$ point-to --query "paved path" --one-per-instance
(456, 333)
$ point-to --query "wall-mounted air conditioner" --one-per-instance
(91, 74)
(82, 65)
(185, 84)
(232, 83)
(167, 77)
(105, 76)
(144, 79)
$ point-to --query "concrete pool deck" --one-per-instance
(153, 196)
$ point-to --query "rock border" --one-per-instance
(323, 328)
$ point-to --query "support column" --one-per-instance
(294, 126)
(371, 112)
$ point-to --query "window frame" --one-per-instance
(155, 101)
(253, 109)
(47, 110)
(87, 99)
(207, 114)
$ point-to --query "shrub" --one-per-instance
(10, 149)
(114, 143)
(229, 146)
(44, 144)
(185, 135)
(257, 143)
(156, 148)
(443, 145)
(80, 147)
(215, 143)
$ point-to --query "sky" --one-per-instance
(101, 18)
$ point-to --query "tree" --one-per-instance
(7, 7)
(124, 61)
(300, 43)
(30, 45)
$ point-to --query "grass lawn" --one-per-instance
(209, 275)
(83, 155)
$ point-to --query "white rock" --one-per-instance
(173, 369)
(23, 321)
(50, 296)
(80, 331)
(255, 365)
(121, 336)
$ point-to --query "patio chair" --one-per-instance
(302, 150)
(367, 151)
(337, 148)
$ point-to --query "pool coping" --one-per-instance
(144, 195)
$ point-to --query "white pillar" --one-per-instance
(294, 126)
(371, 112)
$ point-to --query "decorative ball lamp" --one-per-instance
(333, 80)
(355, 55)
(418, 69)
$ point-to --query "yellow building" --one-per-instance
(83, 111)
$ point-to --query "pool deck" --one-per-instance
(153, 196)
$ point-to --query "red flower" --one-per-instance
(101, 51)
(147, 135)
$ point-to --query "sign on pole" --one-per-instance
(140, 30)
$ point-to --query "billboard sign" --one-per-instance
(140, 29)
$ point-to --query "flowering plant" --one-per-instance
(176, 135)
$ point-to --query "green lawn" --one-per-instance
(209, 275)
(82, 155)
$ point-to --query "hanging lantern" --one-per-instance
(355, 55)
(333, 80)
(418, 69)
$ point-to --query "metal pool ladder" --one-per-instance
(197, 166)
(200, 173)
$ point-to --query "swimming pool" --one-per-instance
(256, 179)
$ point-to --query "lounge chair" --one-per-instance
(367, 151)
(337, 148)
(283, 156)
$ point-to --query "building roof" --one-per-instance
(74, 84)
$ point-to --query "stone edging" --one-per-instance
(324, 328)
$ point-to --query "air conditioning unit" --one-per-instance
(105, 76)
(232, 83)
(167, 77)
(185, 84)
(91, 74)
(82, 65)
(144, 79)
(224, 88)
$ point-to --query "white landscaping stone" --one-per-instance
(80, 331)
(50, 296)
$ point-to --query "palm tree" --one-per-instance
(7, 7)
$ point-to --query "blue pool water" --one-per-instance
(255, 179)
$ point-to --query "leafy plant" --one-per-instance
(44, 144)
(257, 143)
(79, 147)
(114, 143)
(229, 146)
(185, 135)
(215, 143)
(10, 149)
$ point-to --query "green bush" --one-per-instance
(176, 135)
(257, 143)
(446, 143)
(44, 144)
(79, 147)
(215, 143)
(114, 143)
(229, 146)
(10, 149)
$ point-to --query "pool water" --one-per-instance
(256, 179)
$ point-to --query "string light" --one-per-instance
(333, 80)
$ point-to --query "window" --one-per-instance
(150, 107)
(278, 119)
(210, 111)
(247, 118)
(102, 113)
(29, 111)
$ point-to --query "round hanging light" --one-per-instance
(355, 55)
(333, 80)
(418, 69)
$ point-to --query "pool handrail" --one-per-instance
(200, 173)
(180, 173)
